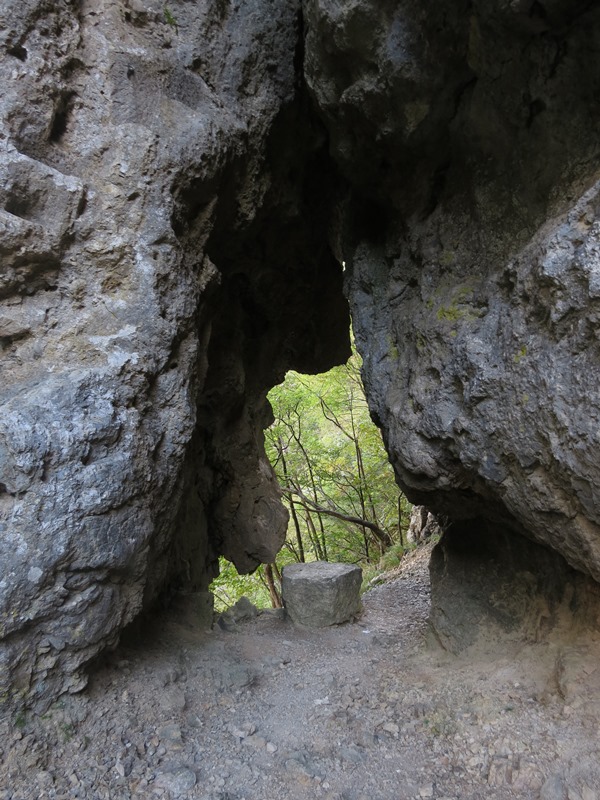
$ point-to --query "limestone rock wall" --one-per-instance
(147, 304)
(467, 133)
(177, 190)
(492, 589)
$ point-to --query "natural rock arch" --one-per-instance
(177, 196)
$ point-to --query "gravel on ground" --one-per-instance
(373, 710)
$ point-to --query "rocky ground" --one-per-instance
(373, 709)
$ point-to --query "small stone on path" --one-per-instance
(178, 781)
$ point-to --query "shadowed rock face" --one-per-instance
(467, 134)
(491, 588)
(164, 262)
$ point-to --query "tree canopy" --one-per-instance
(335, 477)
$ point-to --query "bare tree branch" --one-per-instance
(364, 523)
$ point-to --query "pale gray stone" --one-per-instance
(553, 789)
(321, 593)
(241, 611)
(422, 525)
(178, 781)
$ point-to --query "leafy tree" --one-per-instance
(229, 586)
(335, 477)
(329, 457)
(263, 588)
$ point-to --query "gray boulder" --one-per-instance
(242, 611)
(321, 593)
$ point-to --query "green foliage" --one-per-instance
(170, 19)
(67, 730)
(324, 445)
(229, 586)
(393, 351)
(447, 258)
(388, 561)
(336, 480)
(460, 307)
(391, 558)
(450, 313)
(518, 357)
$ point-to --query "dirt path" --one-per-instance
(368, 711)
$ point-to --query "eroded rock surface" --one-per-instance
(162, 239)
(490, 586)
(422, 525)
(321, 593)
(470, 232)
(170, 202)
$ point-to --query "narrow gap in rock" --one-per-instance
(61, 118)
(336, 483)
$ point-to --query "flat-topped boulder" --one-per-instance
(321, 593)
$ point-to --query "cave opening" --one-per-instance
(335, 480)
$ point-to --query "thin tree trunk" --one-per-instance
(290, 500)
(315, 494)
(400, 534)
(364, 492)
(297, 529)
(277, 573)
(383, 539)
(275, 594)
(314, 535)
(363, 523)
